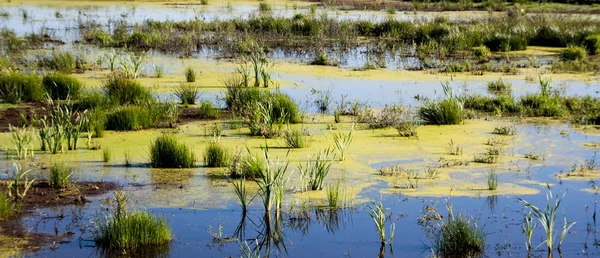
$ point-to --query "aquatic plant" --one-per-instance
(547, 216)
(499, 86)
(247, 166)
(272, 182)
(7, 207)
(130, 118)
(187, 93)
(482, 53)
(316, 169)
(505, 130)
(533, 156)
(133, 64)
(206, 110)
(242, 193)
(23, 140)
(159, 71)
(342, 142)
(572, 53)
(454, 149)
(167, 152)
(62, 86)
(190, 75)
(295, 138)
(338, 196)
(62, 61)
(391, 115)
(459, 236)
(16, 87)
(492, 180)
(122, 90)
(216, 155)
(407, 128)
(320, 59)
(379, 216)
(322, 99)
(592, 44)
(59, 176)
(127, 158)
(337, 116)
(18, 184)
(106, 155)
(132, 230)
(528, 227)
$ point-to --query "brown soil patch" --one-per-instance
(12, 116)
(41, 194)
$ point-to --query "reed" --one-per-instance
(342, 142)
(316, 169)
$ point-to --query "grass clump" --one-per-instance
(206, 110)
(16, 87)
(190, 75)
(246, 166)
(132, 230)
(59, 176)
(216, 155)
(129, 118)
(492, 180)
(167, 152)
(7, 207)
(294, 138)
(61, 61)
(459, 236)
(482, 53)
(316, 169)
(62, 86)
(187, 93)
(499, 86)
(592, 44)
(106, 155)
(572, 53)
(123, 91)
(505, 130)
(445, 112)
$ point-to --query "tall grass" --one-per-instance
(62, 61)
(342, 142)
(19, 183)
(379, 216)
(62, 86)
(499, 86)
(492, 180)
(59, 176)
(7, 207)
(122, 90)
(272, 183)
(106, 155)
(444, 112)
(16, 87)
(206, 110)
(187, 93)
(316, 169)
(459, 236)
(190, 74)
(547, 217)
(22, 138)
(294, 138)
(216, 155)
(167, 152)
(242, 193)
(247, 166)
(132, 230)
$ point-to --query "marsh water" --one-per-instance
(199, 203)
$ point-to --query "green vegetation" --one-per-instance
(505, 130)
(572, 53)
(499, 86)
(129, 118)
(216, 155)
(592, 44)
(246, 166)
(187, 93)
(16, 87)
(206, 110)
(314, 171)
(342, 142)
(190, 75)
(492, 180)
(379, 216)
(62, 86)
(482, 53)
(167, 152)
(106, 155)
(295, 138)
(122, 91)
(272, 183)
(62, 61)
(444, 112)
(547, 218)
(7, 207)
(242, 194)
(459, 236)
(59, 176)
(132, 230)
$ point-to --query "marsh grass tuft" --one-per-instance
(122, 90)
(316, 169)
(106, 155)
(499, 86)
(379, 216)
(342, 142)
(242, 193)
(187, 93)
(167, 152)
(62, 86)
(505, 130)
(206, 110)
(459, 236)
(294, 138)
(59, 176)
(132, 230)
(492, 180)
(190, 74)
(216, 155)
(7, 207)
(455, 149)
